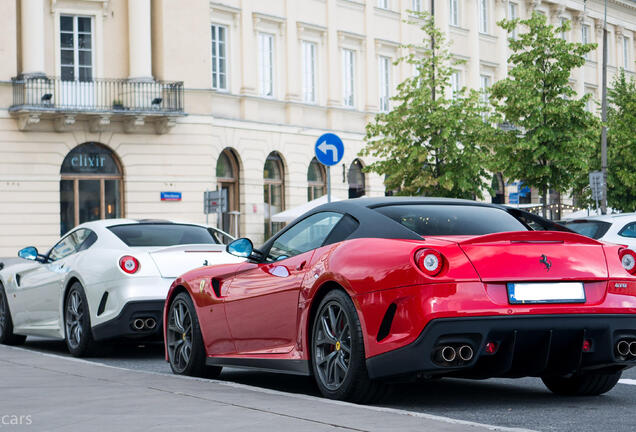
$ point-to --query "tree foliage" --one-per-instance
(553, 136)
(430, 143)
(621, 144)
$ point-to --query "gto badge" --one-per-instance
(546, 262)
(201, 285)
(620, 285)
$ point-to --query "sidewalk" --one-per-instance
(64, 394)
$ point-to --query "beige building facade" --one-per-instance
(134, 108)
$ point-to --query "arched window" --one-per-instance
(227, 177)
(357, 183)
(499, 190)
(91, 187)
(315, 180)
(274, 191)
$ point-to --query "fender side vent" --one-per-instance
(102, 304)
(216, 286)
(385, 326)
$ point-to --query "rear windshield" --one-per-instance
(594, 229)
(432, 220)
(140, 235)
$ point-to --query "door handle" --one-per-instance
(301, 265)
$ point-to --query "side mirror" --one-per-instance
(242, 248)
(29, 253)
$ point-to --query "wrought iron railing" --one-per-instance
(99, 95)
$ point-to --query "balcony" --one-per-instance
(137, 104)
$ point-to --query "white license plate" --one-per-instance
(552, 292)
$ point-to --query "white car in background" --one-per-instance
(616, 228)
(103, 280)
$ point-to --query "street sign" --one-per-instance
(170, 196)
(329, 149)
(596, 185)
(513, 198)
(215, 200)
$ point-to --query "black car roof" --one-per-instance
(373, 202)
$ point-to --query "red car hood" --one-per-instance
(534, 255)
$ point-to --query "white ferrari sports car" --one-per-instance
(104, 279)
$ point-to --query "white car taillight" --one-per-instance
(628, 259)
(429, 261)
(129, 264)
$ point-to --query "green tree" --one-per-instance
(621, 144)
(553, 136)
(430, 144)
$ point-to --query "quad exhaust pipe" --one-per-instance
(626, 349)
(448, 354)
(140, 324)
(466, 353)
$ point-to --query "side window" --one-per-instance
(71, 244)
(628, 230)
(306, 235)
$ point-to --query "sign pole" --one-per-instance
(219, 208)
(328, 184)
(207, 213)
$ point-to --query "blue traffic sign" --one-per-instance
(329, 149)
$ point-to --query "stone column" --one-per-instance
(502, 41)
(139, 41)
(32, 34)
(579, 74)
(618, 43)
(598, 26)
(334, 67)
(249, 50)
(372, 102)
(472, 13)
(293, 89)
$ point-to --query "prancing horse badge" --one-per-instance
(201, 285)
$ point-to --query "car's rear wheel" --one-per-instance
(186, 350)
(77, 322)
(7, 337)
(337, 349)
(589, 384)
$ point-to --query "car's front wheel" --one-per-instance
(77, 322)
(186, 350)
(589, 384)
(337, 349)
(7, 337)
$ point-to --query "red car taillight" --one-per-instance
(129, 264)
(429, 261)
(628, 259)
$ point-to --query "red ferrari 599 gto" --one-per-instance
(361, 292)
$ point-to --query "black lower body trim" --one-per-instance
(122, 325)
(294, 367)
(536, 345)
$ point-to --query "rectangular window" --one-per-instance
(513, 13)
(76, 48)
(585, 37)
(562, 22)
(453, 12)
(484, 86)
(417, 5)
(384, 72)
(309, 72)
(626, 56)
(383, 4)
(266, 64)
(483, 16)
(219, 57)
(348, 63)
(455, 84)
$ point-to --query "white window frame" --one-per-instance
(215, 44)
(626, 57)
(585, 37)
(483, 16)
(455, 83)
(485, 81)
(384, 80)
(384, 4)
(416, 5)
(513, 13)
(266, 60)
(76, 48)
(453, 12)
(349, 77)
(309, 54)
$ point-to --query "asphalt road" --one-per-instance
(522, 403)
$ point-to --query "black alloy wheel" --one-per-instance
(77, 322)
(186, 350)
(337, 352)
